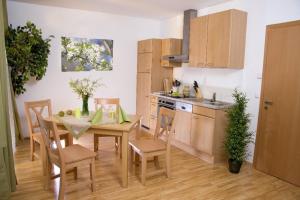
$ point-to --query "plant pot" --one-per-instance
(234, 166)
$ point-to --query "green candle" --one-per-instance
(77, 113)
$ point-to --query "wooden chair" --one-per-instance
(68, 158)
(154, 147)
(35, 108)
(99, 103)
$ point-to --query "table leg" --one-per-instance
(125, 159)
(70, 138)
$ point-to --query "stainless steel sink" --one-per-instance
(208, 102)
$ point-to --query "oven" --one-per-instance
(167, 103)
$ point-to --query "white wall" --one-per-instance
(124, 31)
(223, 81)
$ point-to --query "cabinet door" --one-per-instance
(218, 39)
(143, 99)
(145, 46)
(198, 41)
(202, 133)
(144, 62)
(183, 127)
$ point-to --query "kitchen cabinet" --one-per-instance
(202, 133)
(208, 129)
(218, 40)
(143, 99)
(144, 62)
(150, 76)
(170, 46)
(147, 46)
(198, 44)
(183, 127)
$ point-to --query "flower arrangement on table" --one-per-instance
(85, 89)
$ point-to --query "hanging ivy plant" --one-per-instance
(27, 54)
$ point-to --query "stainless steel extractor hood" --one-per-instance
(184, 57)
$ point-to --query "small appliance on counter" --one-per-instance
(186, 91)
(175, 88)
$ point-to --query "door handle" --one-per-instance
(269, 103)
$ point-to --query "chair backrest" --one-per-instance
(32, 109)
(165, 124)
(50, 134)
(101, 102)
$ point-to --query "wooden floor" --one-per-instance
(191, 179)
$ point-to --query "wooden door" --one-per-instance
(144, 62)
(183, 127)
(202, 133)
(277, 149)
(198, 42)
(218, 39)
(143, 99)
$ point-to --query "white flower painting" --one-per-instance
(81, 54)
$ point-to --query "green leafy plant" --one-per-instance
(27, 54)
(238, 134)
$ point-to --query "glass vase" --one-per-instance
(85, 105)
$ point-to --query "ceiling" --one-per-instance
(155, 9)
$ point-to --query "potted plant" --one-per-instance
(85, 88)
(27, 54)
(238, 134)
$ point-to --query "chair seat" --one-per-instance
(75, 153)
(148, 145)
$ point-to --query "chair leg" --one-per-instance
(168, 165)
(120, 146)
(92, 174)
(96, 143)
(156, 162)
(48, 175)
(117, 143)
(75, 173)
(66, 139)
(144, 169)
(131, 158)
(32, 149)
(62, 184)
(137, 159)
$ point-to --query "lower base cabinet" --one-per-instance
(202, 133)
(183, 127)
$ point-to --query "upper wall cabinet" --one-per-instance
(146, 46)
(218, 40)
(170, 46)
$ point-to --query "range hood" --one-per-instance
(184, 57)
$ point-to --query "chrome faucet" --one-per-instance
(214, 97)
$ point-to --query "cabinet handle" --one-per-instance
(200, 64)
(196, 117)
(210, 64)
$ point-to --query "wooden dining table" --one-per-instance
(122, 130)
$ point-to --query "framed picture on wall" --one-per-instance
(82, 54)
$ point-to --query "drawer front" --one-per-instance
(204, 111)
